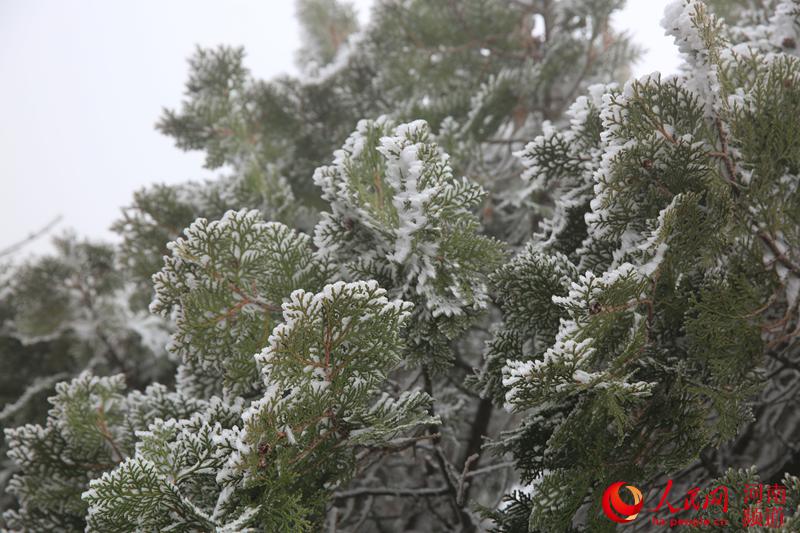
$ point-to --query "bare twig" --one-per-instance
(490, 468)
(462, 483)
(397, 445)
(31, 237)
(104, 431)
(444, 465)
(391, 491)
(725, 155)
(778, 253)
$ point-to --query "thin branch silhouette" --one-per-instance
(31, 237)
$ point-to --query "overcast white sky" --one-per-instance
(83, 82)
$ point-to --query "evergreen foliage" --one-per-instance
(398, 215)
(677, 287)
(197, 464)
(335, 319)
(65, 313)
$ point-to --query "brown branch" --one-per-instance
(106, 433)
(463, 485)
(787, 337)
(778, 253)
(243, 295)
(725, 153)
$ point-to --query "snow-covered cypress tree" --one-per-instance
(399, 215)
(64, 313)
(326, 25)
(662, 296)
(483, 74)
(322, 354)
(267, 438)
(244, 439)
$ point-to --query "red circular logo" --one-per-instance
(616, 509)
